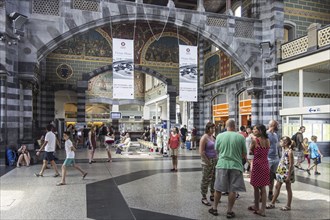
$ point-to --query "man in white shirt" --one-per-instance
(49, 145)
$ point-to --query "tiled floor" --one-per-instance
(141, 186)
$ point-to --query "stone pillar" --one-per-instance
(81, 101)
(47, 105)
(200, 6)
(312, 36)
(3, 110)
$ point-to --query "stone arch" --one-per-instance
(231, 46)
(146, 70)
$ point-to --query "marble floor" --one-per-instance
(141, 186)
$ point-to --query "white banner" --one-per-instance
(123, 68)
(188, 73)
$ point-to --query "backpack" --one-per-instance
(11, 157)
(294, 137)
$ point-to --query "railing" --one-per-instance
(300, 45)
(294, 48)
(323, 36)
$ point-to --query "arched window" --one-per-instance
(289, 31)
(238, 11)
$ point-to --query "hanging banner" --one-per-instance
(188, 73)
(123, 68)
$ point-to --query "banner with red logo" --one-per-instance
(123, 68)
(188, 75)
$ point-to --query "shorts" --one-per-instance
(273, 164)
(49, 156)
(300, 156)
(183, 139)
(69, 162)
(229, 180)
(174, 152)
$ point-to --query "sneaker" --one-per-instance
(317, 173)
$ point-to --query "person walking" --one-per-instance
(315, 154)
(69, 161)
(273, 155)
(230, 146)
(300, 147)
(306, 152)
(193, 139)
(183, 134)
(92, 144)
(209, 161)
(109, 141)
(260, 169)
(49, 145)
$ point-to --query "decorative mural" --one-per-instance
(211, 68)
(100, 86)
(94, 43)
(218, 66)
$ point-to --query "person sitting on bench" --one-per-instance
(126, 143)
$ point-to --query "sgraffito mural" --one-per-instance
(100, 86)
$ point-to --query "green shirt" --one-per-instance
(231, 147)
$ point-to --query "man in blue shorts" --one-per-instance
(230, 146)
(273, 154)
(49, 145)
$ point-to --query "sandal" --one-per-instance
(213, 211)
(230, 214)
(258, 213)
(60, 184)
(270, 206)
(252, 208)
(205, 202)
(83, 177)
(285, 208)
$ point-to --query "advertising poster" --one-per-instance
(188, 75)
(123, 68)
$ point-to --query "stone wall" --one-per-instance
(305, 12)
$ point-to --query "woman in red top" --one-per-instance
(174, 143)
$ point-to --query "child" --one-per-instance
(284, 173)
(306, 151)
(69, 148)
(315, 155)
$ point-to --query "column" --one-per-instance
(81, 101)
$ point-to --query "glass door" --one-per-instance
(291, 124)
